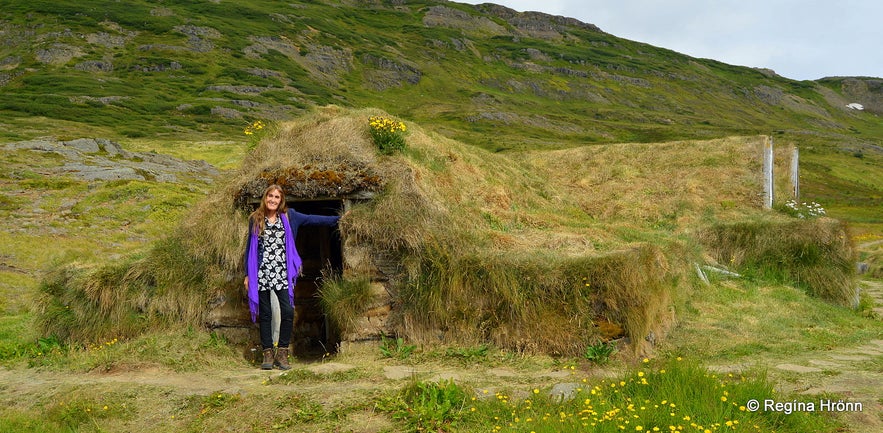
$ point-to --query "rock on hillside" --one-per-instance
(866, 91)
(92, 159)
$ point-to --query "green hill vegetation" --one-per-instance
(561, 188)
(155, 75)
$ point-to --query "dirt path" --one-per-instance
(846, 371)
(165, 399)
(868, 245)
(385, 373)
(854, 372)
(875, 290)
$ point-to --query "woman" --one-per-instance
(271, 268)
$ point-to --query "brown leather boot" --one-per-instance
(282, 358)
(267, 364)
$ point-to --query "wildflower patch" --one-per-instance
(677, 395)
(803, 210)
(387, 133)
(255, 131)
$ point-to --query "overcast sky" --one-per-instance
(799, 39)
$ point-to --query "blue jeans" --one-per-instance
(265, 318)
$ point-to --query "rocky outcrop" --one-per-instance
(532, 24)
(57, 54)
(866, 91)
(386, 73)
(443, 16)
(326, 64)
(536, 24)
(96, 159)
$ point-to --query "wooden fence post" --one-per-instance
(795, 174)
(768, 173)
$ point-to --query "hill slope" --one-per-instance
(485, 75)
(532, 79)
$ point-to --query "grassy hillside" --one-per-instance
(520, 233)
(200, 67)
(484, 75)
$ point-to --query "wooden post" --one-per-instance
(795, 174)
(768, 173)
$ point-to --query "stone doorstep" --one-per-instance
(727, 368)
(559, 374)
(446, 376)
(833, 389)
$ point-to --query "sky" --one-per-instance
(798, 39)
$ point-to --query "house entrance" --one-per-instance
(320, 249)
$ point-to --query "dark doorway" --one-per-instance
(320, 249)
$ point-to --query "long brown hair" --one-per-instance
(258, 216)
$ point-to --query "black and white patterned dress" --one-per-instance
(272, 271)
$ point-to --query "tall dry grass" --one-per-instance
(344, 299)
(672, 185)
(814, 254)
(537, 303)
(170, 284)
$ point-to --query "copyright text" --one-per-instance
(788, 407)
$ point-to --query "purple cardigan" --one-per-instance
(291, 220)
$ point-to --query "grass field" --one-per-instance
(728, 343)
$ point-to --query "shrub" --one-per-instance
(600, 352)
(395, 347)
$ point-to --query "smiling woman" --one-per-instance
(272, 265)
